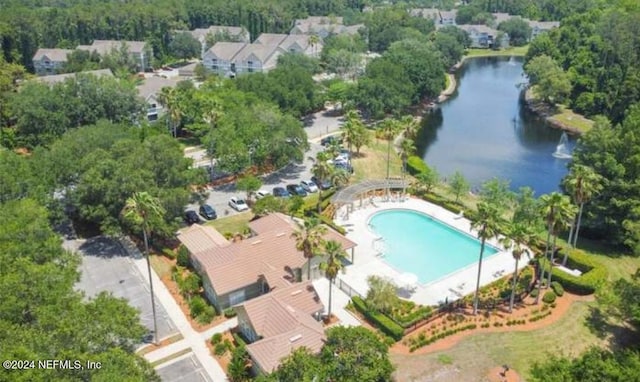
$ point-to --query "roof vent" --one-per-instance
(295, 338)
(296, 292)
(256, 242)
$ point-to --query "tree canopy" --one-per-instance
(39, 304)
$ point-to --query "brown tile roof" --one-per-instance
(262, 52)
(283, 318)
(58, 55)
(271, 254)
(201, 33)
(199, 238)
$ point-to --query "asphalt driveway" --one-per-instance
(106, 267)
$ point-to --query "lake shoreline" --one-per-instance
(548, 113)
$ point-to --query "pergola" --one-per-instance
(365, 190)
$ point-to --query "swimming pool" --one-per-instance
(417, 243)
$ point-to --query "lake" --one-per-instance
(484, 131)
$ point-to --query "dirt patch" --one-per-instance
(224, 359)
(495, 322)
(503, 374)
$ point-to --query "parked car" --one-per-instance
(280, 192)
(325, 185)
(262, 193)
(191, 217)
(326, 141)
(238, 204)
(344, 166)
(309, 186)
(207, 212)
(296, 189)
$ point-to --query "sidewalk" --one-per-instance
(339, 300)
(192, 339)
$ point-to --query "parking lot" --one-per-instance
(294, 173)
(187, 369)
(106, 267)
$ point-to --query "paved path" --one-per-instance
(339, 301)
(192, 339)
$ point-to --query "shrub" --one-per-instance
(216, 338)
(549, 297)
(206, 316)
(593, 275)
(415, 165)
(183, 256)
(384, 323)
(239, 340)
(197, 306)
(169, 253)
(534, 293)
(557, 288)
(220, 349)
(229, 312)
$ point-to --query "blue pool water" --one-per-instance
(417, 243)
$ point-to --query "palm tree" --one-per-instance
(168, 98)
(322, 170)
(583, 183)
(388, 130)
(144, 210)
(336, 257)
(519, 234)
(410, 126)
(556, 209)
(309, 240)
(487, 225)
(313, 41)
(407, 148)
(351, 128)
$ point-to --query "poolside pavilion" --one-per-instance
(365, 191)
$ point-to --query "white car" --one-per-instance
(309, 186)
(262, 193)
(238, 204)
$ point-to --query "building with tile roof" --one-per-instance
(138, 50)
(279, 322)
(323, 26)
(234, 272)
(149, 90)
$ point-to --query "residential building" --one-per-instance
(296, 43)
(49, 61)
(138, 50)
(234, 272)
(220, 58)
(230, 34)
(257, 58)
(149, 90)
(440, 18)
(323, 26)
(483, 36)
(539, 27)
(57, 78)
(277, 323)
(501, 17)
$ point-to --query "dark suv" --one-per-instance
(280, 192)
(207, 212)
(191, 217)
(296, 189)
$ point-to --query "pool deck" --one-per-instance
(370, 261)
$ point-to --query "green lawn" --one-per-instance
(567, 117)
(512, 51)
(372, 162)
(161, 267)
(233, 224)
(475, 355)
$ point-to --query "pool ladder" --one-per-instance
(379, 248)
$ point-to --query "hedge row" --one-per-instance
(423, 341)
(329, 222)
(384, 323)
(414, 317)
(593, 273)
(415, 165)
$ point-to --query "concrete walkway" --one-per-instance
(192, 339)
(339, 301)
